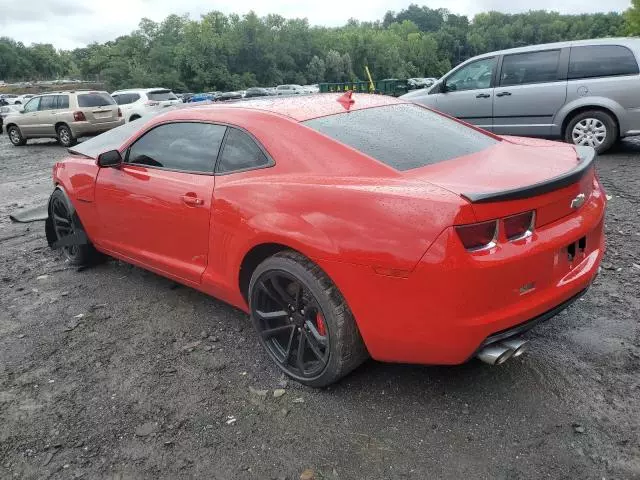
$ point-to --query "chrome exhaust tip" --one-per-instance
(518, 345)
(495, 354)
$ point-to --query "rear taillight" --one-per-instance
(519, 226)
(484, 235)
(119, 113)
(478, 236)
(79, 117)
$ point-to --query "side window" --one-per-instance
(240, 152)
(179, 146)
(474, 76)
(47, 103)
(63, 102)
(534, 67)
(32, 105)
(601, 61)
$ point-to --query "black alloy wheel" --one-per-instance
(291, 324)
(303, 321)
(63, 224)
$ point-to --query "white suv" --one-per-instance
(290, 90)
(137, 102)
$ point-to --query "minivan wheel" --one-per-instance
(593, 128)
(15, 136)
(65, 137)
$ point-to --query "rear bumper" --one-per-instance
(454, 301)
(80, 129)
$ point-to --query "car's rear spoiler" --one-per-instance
(586, 156)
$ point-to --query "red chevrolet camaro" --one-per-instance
(346, 226)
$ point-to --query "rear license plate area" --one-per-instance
(577, 248)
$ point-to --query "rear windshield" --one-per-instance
(402, 136)
(95, 100)
(160, 95)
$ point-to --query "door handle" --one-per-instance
(192, 201)
(483, 95)
(504, 94)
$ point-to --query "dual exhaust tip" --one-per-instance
(500, 352)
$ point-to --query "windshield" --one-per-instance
(403, 136)
(110, 140)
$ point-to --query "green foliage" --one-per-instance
(228, 52)
(632, 18)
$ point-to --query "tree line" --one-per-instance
(229, 52)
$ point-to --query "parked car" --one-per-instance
(290, 90)
(137, 102)
(8, 98)
(346, 226)
(585, 92)
(201, 97)
(229, 96)
(66, 116)
(428, 81)
(256, 92)
(22, 99)
(414, 83)
(6, 110)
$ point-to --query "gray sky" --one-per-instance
(75, 23)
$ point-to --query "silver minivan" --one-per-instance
(586, 92)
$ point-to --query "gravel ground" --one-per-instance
(114, 372)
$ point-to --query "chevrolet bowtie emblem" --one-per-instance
(578, 201)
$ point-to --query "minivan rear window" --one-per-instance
(96, 99)
(601, 61)
(161, 95)
(403, 136)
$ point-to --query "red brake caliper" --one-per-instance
(320, 323)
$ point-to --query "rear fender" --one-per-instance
(293, 231)
(585, 103)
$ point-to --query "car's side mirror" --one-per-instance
(449, 88)
(438, 87)
(112, 158)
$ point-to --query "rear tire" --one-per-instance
(134, 117)
(65, 136)
(593, 128)
(315, 310)
(63, 221)
(15, 136)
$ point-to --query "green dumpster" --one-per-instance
(389, 86)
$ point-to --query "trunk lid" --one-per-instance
(518, 175)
